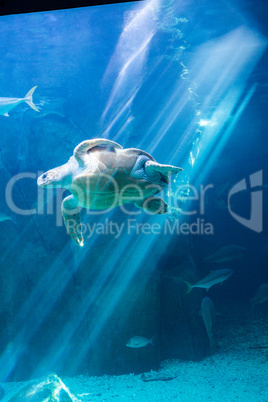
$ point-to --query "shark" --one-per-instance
(7, 104)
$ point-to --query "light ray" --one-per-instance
(128, 61)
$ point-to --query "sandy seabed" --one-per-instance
(237, 372)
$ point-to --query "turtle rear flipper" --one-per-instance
(71, 218)
(153, 205)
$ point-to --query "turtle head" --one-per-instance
(58, 177)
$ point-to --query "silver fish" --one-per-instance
(214, 277)
(138, 342)
(7, 104)
(208, 315)
(5, 217)
(261, 295)
(227, 253)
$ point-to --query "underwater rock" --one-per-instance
(182, 334)
(52, 131)
(49, 389)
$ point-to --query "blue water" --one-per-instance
(182, 81)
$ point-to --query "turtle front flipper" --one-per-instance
(154, 205)
(152, 167)
(150, 170)
(71, 217)
(81, 150)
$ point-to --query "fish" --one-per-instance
(139, 342)
(261, 295)
(227, 253)
(214, 277)
(5, 217)
(7, 104)
(208, 314)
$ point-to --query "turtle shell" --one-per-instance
(105, 180)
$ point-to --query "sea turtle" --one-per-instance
(102, 175)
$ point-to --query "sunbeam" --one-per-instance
(223, 77)
(128, 62)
